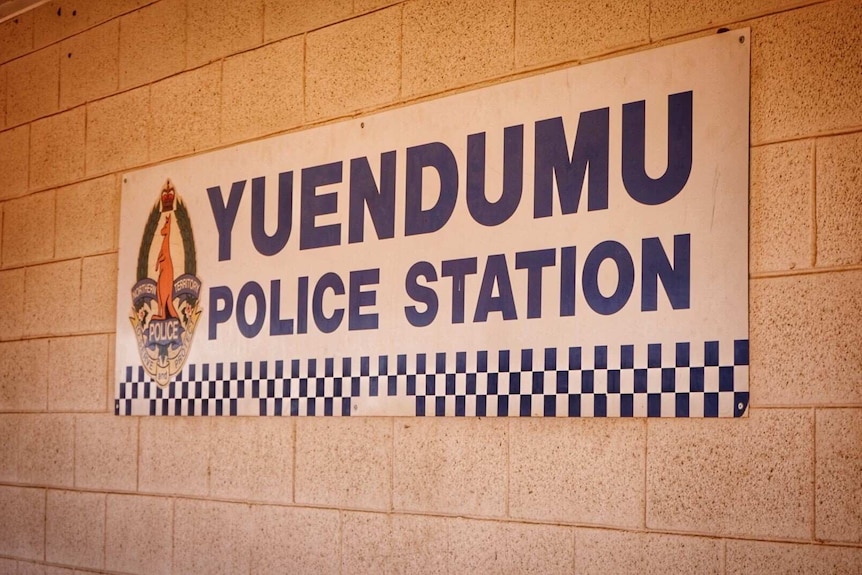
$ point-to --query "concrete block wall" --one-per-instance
(93, 88)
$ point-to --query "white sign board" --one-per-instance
(571, 244)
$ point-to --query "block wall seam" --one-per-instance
(45, 526)
(814, 474)
(60, 76)
(454, 516)
(304, 78)
(74, 447)
(813, 199)
(86, 106)
(819, 406)
(352, 16)
(185, 67)
(138, 455)
(173, 531)
(29, 156)
(293, 464)
(508, 491)
(105, 535)
(263, 41)
(401, 52)
(645, 516)
(109, 377)
(54, 239)
(437, 515)
(392, 463)
(513, 65)
(742, 19)
(843, 131)
(340, 533)
(56, 187)
(804, 271)
(57, 336)
(220, 97)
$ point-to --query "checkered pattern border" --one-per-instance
(676, 380)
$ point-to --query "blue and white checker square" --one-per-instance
(657, 380)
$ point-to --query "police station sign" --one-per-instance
(573, 243)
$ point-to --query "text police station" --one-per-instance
(348, 301)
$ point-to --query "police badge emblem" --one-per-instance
(166, 295)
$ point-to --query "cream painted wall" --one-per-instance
(91, 89)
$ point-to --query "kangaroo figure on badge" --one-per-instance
(165, 284)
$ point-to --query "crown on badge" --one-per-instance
(168, 195)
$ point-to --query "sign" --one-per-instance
(570, 244)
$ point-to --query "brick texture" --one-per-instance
(803, 71)
(57, 149)
(152, 43)
(92, 90)
(32, 86)
(14, 161)
(575, 31)
(89, 65)
(353, 65)
(16, 36)
(801, 331)
(262, 91)
(449, 44)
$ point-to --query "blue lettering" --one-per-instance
(616, 252)
(380, 202)
(277, 325)
(438, 156)
(302, 305)
(591, 149)
(421, 294)
(250, 290)
(221, 308)
(313, 205)
(676, 280)
(327, 324)
(359, 299)
(225, 215)
(264, 243)
(641, 187)
(534, 262)
(458, 271)
(568, 281)
(495, 213)
(496, 273)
